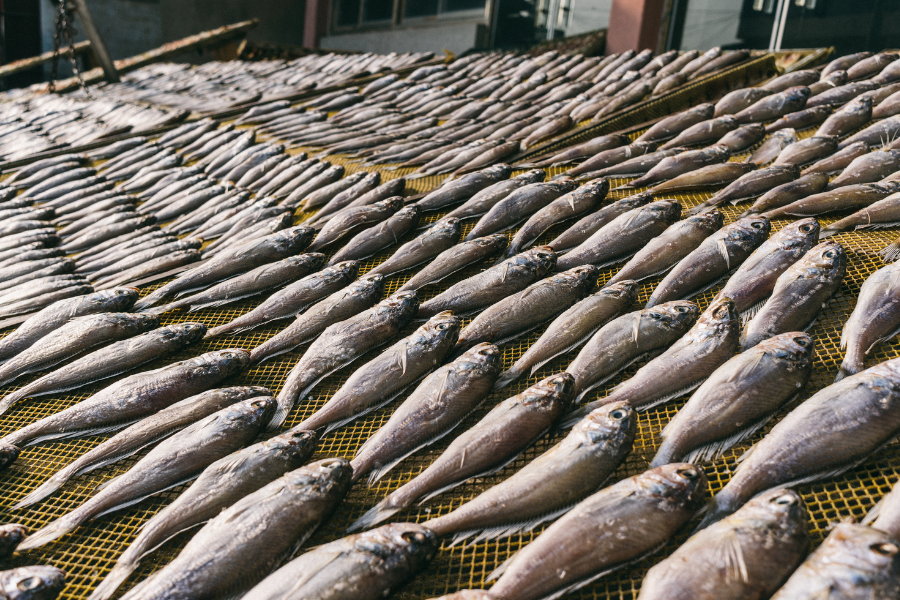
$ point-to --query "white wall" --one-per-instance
(588, 15)
(710, 23)
(456, 36)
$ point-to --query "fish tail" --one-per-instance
(43, 491)
(507, 377)
(665, 455)
(148, 301)
(284, 406)
(700, 208)
(848, 368)
(576, 415)
(53, 531)
(828, 232)
(8, 454)
(9, 400)
(375, 515)
(115, 579)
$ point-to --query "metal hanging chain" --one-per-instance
(65, 29)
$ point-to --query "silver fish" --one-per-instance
(511, 427)
(438, 238)
(182, 457)
(549, 485)
(219, 486)
(32, 583)
(342, 343)
(875, 319)
(269, 525)
(454, 259)
(738, 399)
(386, 376)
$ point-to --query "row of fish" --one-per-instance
(553, 394)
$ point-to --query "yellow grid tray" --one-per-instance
(89, 553)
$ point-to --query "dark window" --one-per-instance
(421, 8)
(346, 12)
(378, 10)
(455, 5)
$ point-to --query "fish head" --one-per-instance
(797, 93)
(639, 148)
(409, 212)
(484, 357)
(707, 109)
(583, 277)
(542, 257)
(8, 454)
(615, 422)
(780, 511)
(825, 262)
(295, 442)
(393, 203)
(254, 410)
(12, 534)
(189, 331)
(230, 360)
(717, 152)
(408, 543)
(141, 321)
(447, 227)
(369, 284)
(32, 583)
(121, 298)
(862, 103)
(785, 136)
(498, 171)
(795, 347)
(328, 477)
(496, 241)
(635, 201)
(748, 232)
(313, 260)
(862, 549)
(676, 485)
(889, 186)
(294, 239)
(442, 329)
(677, 315)
(668, 211)
(838, 77)
(554, 392)
(625, 289)
(563, 184)
(532, 176)
(708, 221)
(403, 304)
(346, 270)
(800, 234)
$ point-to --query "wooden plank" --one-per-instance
(36, 61)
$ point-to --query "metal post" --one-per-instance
(97, 45)
(551, 18)
(778, 25)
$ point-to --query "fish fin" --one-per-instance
(600, 382)
(511, 374)
(751, 312)
(714, 450)
(196, 307)
(614, 260)
(142, 498)
(873, 513)
(580, 584)
(888, 254)
(747, 369)
(730, 557)
(567, 349)
(338, 424)
(711, 284)
(723, 250)
(499, 571)
(113, 581)
(80, 433)
(880, 340)
(675, 394)
(503, 531)
(700, 208)
(378, 513)
(10, 400)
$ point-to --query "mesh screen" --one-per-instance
(90, 552)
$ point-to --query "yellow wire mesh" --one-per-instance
(89, 553)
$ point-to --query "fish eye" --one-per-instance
(785, 500)
(443, 326)
(259, 404)
(885, 549)
(828, 254)
(682, 309)
(802, 341)
(720, 312)
(688, 473)
(413, 536)
(756, 225)
(806, 228)
(332, 463)
(29, 583)
(617, 414)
